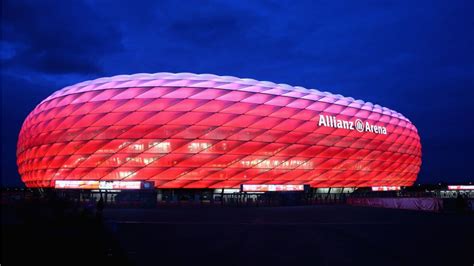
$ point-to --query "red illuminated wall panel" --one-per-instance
(206, 131)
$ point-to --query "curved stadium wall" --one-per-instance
(206, 131)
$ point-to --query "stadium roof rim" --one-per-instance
(196, 80)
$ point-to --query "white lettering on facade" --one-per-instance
(332, 121)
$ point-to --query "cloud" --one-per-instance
(19, 96)
(57, 37)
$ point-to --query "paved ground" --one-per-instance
(306, 235)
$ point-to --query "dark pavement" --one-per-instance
(213, 235)
(305, 235)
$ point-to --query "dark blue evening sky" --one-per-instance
(416, 57)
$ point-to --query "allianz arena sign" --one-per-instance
(332, 121)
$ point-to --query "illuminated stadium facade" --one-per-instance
(206, 131)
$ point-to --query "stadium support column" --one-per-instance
(222, 197)
(341, 195)
(327, 195)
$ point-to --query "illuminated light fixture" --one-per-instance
(76, 184)
(461, 187)
(266, 188)
(227, 190)
(386, 188)
(94, 184)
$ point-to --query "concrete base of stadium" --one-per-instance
(445, 200)
(234, 197)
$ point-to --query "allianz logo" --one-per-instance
(332, 121)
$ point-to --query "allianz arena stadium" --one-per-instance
(205, 131)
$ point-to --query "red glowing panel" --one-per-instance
(205, 131)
